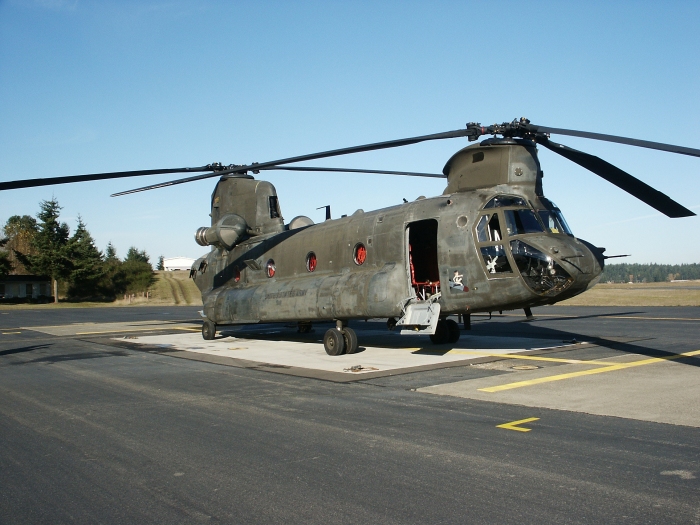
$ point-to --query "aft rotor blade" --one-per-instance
(621, 179)
(352, 170)
(467, 132)
(33, 183)
(621, 140)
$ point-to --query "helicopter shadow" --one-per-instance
(510, 335)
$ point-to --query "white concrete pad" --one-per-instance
(313, 356)
(662, 392)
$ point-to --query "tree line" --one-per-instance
(44, 246)
(650, 273)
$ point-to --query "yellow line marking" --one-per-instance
(10, 333)
(513, 424)
(602, 316)
(146, 329)
(610, 368)
(532, 357)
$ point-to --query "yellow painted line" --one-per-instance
(147, 329)
(513, 425)
(611, 368)
(532, 357)
(536, 315)
(10, 333)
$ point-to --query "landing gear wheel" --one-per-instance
(442, 333)
(350, 340)
(390, 323)
(208, 330)
(334, 342)
(452, 330)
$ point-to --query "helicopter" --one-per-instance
(491, 242)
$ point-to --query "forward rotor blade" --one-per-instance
(349, 170)
(32, 183)
(621, 179)
(467, 132)
(621, 140)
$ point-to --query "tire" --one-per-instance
(452, 330)
(334, 342)
(350, 340)
(208, 330)
(442, 334)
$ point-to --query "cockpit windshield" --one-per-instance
(553, 219)
(519, 222)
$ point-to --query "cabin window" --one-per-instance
(519, 222)
(311, 262)
(359, 253)
(271, 269)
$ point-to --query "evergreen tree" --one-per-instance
(50, 257)
(135, 255)
(113, 280)
(161, 265)
(19, 232)
(88, 267)
(136, 271)
(111, 252)
(5, 263)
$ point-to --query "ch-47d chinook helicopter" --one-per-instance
(492, 241)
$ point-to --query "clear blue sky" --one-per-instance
(108, 86)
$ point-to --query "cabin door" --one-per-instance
(422, 257)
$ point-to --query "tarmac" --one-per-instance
(126, 415)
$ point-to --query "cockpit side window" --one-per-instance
(489, 228)
(488, 233)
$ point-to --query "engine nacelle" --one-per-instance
(226, 233)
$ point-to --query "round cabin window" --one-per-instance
(236, 274)
(360, 253)
(271, 268)
(311, 262)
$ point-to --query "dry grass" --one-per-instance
(648, 294)
(176, 288)
(170, 288)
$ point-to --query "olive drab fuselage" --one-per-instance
(490, 242)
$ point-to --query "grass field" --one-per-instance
(176, 288)
(647, 294)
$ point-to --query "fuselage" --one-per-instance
(478, 255)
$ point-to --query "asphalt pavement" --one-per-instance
(93, 430)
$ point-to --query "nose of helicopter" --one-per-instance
(557, 266)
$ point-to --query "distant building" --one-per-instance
(25, 287)
(177, 263)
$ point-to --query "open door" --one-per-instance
(423, 271)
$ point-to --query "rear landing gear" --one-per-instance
(208, 330)
(334, 342)
(340, 340)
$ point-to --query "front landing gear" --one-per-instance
(208, 330)
(446, 331)
(340, 340)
